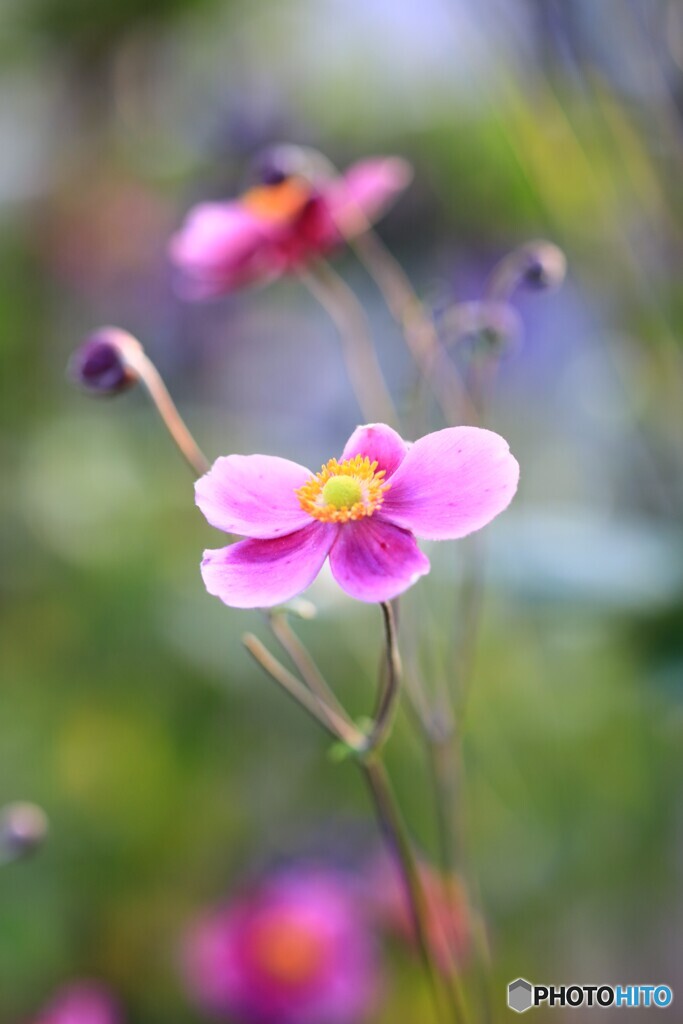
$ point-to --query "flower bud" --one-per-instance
(105, 363)
(537, 265)
(496, 325)
(543, 265)
(275, 164)
(23, 827)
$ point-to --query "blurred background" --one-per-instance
(170, 768)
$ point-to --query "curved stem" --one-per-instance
(365, 374)
(140, 363)
(389, 688)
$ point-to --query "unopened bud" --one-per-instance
(275, 164)
(23, 827)
(494, 324)
(105, 363)
(546, 265)
(536, 265)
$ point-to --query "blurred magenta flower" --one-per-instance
(363, 512)
(293, 950)
(81, 1002)
(278, 226)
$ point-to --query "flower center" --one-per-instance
(278, 202)
(344, 490)
(287, 951)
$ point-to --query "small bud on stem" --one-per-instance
(102, 364)
(110, 360)
(536, 265)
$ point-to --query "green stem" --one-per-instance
(340, 728)
(365, 373)
(140, 363)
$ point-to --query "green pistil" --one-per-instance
(342, 492)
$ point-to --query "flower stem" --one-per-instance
(418, 329)
(400, 846)
(389, 688)
(340, 728)
(365, 373)
(306, 666)
(140, 363)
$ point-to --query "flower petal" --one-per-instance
(451, 483)
(219, 247)
(374, 561)
(377, 441)
(369, 186)
(263, 573)
(253, 495)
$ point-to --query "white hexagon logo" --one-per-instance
(520, 995)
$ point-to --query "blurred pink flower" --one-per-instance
(364, 512)
(80, 1002)
(293, 950)
(276, 228)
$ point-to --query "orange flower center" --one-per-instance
(344, 490)
(287, 951)
(278, 202)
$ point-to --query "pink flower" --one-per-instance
(275, 228)
(80, 1002)
(294, 950)
(363, 512)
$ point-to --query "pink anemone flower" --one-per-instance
(363, 512)
(292, 950)
(277, 227)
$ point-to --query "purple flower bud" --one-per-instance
(536, 265)
(275, 164)
(23, 828)
(103, 364)
(543, 265)
(495, 324)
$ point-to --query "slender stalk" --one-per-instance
(140, 363)
(389, 688)
(368, 749)
(306, 666)
(398, 841)
(418, 329)
(339, 728)
(365, 374)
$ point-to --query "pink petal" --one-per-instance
(219, 247)
(369, 186)
(451, 483)
(253, 495)
(377, 442)
(374, 561)
(263, 573)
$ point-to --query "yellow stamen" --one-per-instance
(278, 202)
(344, 491)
